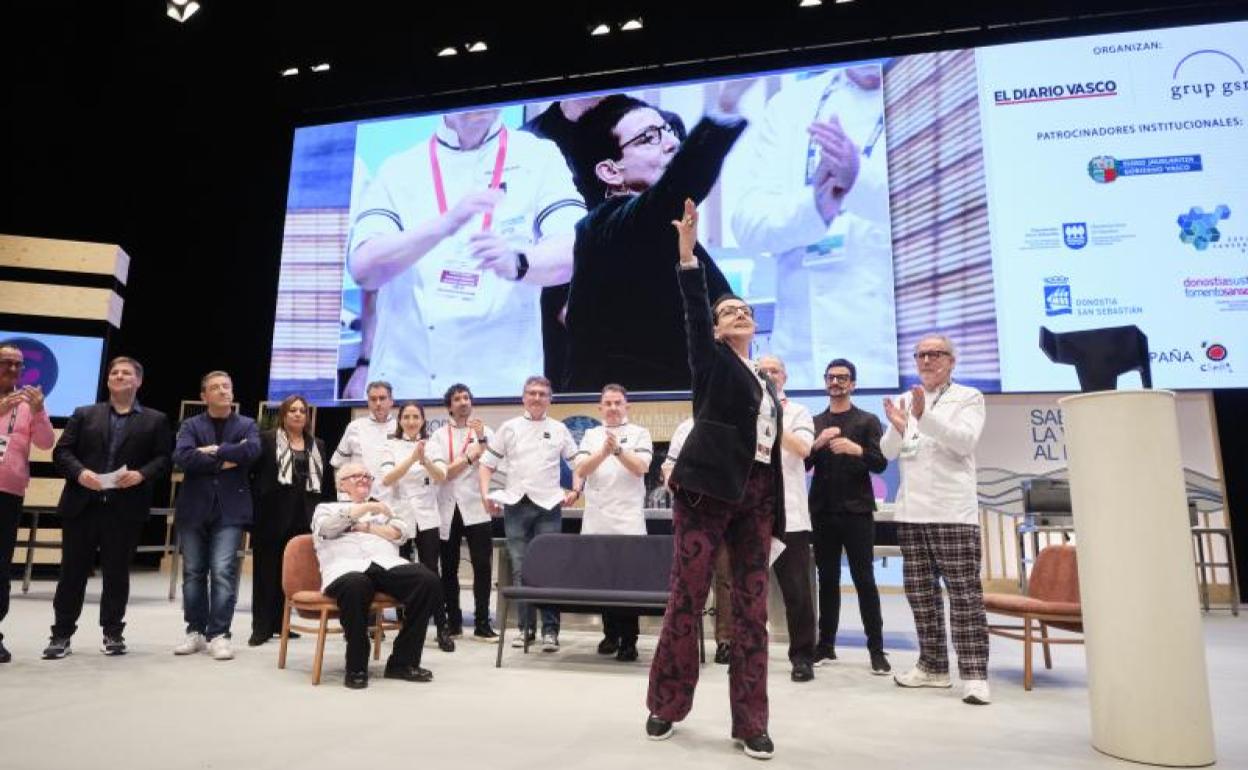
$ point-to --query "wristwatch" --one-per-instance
(522, 265)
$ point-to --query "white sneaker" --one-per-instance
(975, 692)
(220, 649)
(193, 643)
(917, 677)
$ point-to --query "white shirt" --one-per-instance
(938, 480)
(532, 449)
(340, 551)
(414, 496)
(830, 277)
(676, 444)
(765, 430)
(614, 495)
(439, 319)
(799, 423)
(364, 441)
(448, 444)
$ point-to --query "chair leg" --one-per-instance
(319, 659)
(281, 650)
(504, 606)
(381, 614)
(1044, 642)
(1027, 642)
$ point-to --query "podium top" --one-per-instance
(1120, 395)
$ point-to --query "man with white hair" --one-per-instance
(933, 431)
(357, 545)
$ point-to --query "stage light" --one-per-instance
(601, 29)
(809, 3)
(477, 47)
(448, 51)
(631, 24)
(322, 67)
(180, 10)
(290, 72)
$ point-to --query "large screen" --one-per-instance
(66, 368)
(855, 206)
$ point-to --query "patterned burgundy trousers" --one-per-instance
(952, 551)
(700, 523)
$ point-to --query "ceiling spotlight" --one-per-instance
(631, 25)
(809, 3)
(180, 10)
(601, 29)
(322, 67)
(448, 51)
(839, 2)
(477, 47)
(290, 72)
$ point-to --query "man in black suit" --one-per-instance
(131, 443)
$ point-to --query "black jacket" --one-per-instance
(146, 448)
(719, 452)
(265, 486)
(842, 483)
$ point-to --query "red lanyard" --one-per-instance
(496, 178)
(450, 443)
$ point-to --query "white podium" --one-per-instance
(1147, 683)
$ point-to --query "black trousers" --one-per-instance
(855, 534)
(622, 626)
(414, 586)
(792, 570)
(481, 554)
(428, 550)
(10, 515)
(267, 598)
(98, 527)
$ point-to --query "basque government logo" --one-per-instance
(1057, 295)
(1075, 234)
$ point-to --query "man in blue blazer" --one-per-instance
(215, 450)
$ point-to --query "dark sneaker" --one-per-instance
(627, 653)
(759, 747)
(58, 647)
(113, 645)
(5, 655)
(455, 629)
(824, 652)
(723, 653)
(445, 642)
(608, 646)
(484, 633)
(257, 639)
(879, 664)
(802, 672)
(408, 673)
(356, 680)
(658, 729)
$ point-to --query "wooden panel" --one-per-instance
(38, 455)
(42, 555)
(60, 301)
(44, 492)
(70, 256)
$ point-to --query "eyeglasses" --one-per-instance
(737, 310)
(652, 135)
(8, 364)
(931, 355)
(358, 477)
(837, 378)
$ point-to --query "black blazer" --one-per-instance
(266, 488)
(146, 447)
(719, 452)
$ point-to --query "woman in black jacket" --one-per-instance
(728, 488)
(291, 477)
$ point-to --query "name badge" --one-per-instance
(4, 446)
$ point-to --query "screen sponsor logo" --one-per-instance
(1117, 48)
(1055, 92)
(1208, 74)
(1057, 296)
(1199, 228)
(1106, 168)
(1228, 292)
(1075, 234)
(1213, 357)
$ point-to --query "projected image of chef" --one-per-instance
(815, 198)
(458, 234)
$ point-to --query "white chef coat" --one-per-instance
(340, 552)
(532, 450)
(614, 495)
(448, 443)
(415, 495)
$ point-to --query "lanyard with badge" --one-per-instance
(450, 443)
(910, 444)
(461, 278)
(4, 440)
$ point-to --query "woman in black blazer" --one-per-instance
(291, 477)
(728, 488)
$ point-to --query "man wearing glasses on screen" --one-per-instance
(933, 431)
(625, 247)
(458, 235)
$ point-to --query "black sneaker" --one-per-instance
(484, 633)
(658, 729)
(824, 652)
(257, 639)
(723, 653)
(408, 673)
(455, 629)
(608, 646)
(113, 645)
(445, 642)
(58, 647)
(879, 664)
(627, 653)
(759, 747)
(5, 655)
(356, 680)
(802, 672)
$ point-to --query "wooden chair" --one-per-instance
(301, 583)
(1052, 602)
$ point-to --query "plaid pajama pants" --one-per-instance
(951, 551)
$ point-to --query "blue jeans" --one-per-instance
(209, 549)
(522, 522)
